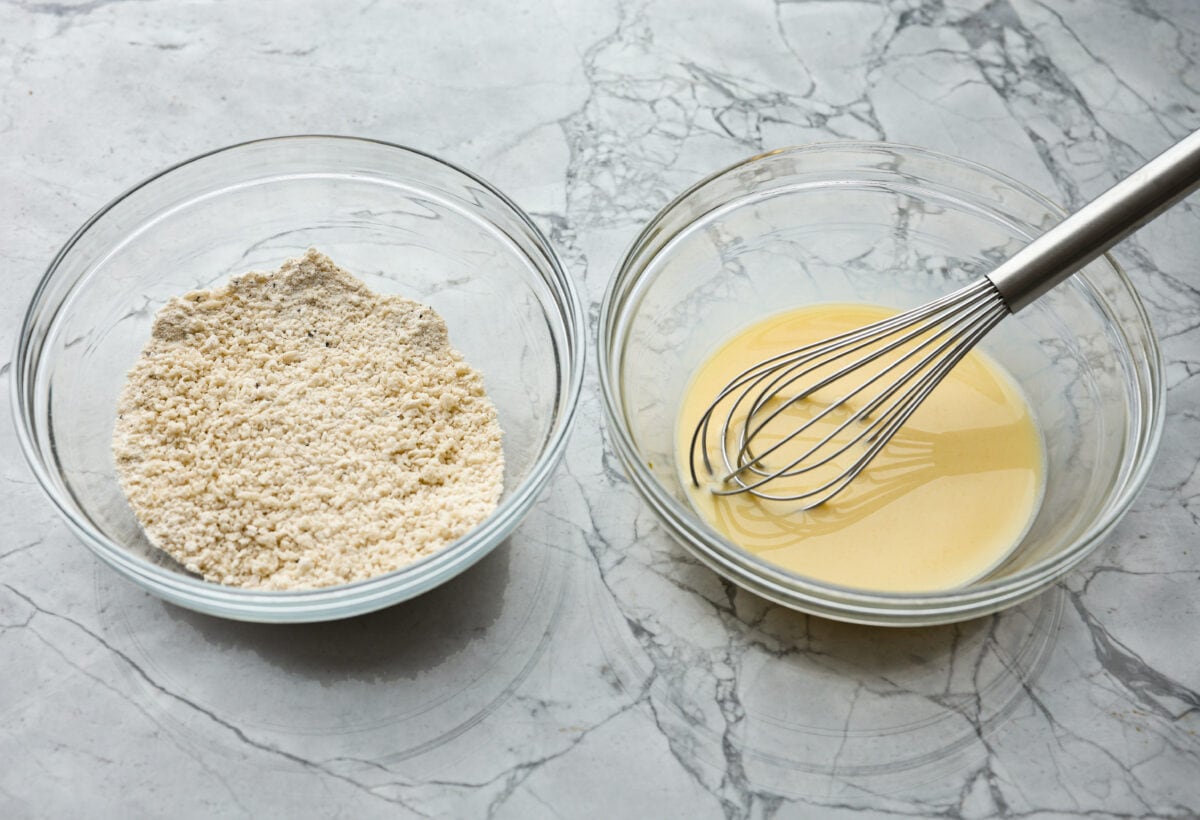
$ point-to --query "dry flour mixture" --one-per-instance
(294, 430)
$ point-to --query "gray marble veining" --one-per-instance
(589, 667)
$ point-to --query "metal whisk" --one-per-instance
(882, 372)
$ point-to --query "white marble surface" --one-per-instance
(588, 668)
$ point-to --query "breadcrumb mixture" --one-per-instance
(295, 430)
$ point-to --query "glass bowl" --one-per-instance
(898, 226)
(402, 221)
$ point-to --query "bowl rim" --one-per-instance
(832, 600)
(343, 600)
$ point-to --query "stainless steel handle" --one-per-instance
(1100, 224)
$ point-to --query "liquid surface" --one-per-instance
(944, 503)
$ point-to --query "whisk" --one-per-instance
(882, 372)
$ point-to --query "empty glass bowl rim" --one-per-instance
(253, 604)
(849, 603)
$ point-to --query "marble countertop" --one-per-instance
(587, 667)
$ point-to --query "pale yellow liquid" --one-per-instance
(944, 503)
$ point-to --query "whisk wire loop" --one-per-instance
(931, 328)
(924, 344)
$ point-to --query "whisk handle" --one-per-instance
(1099, 225)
